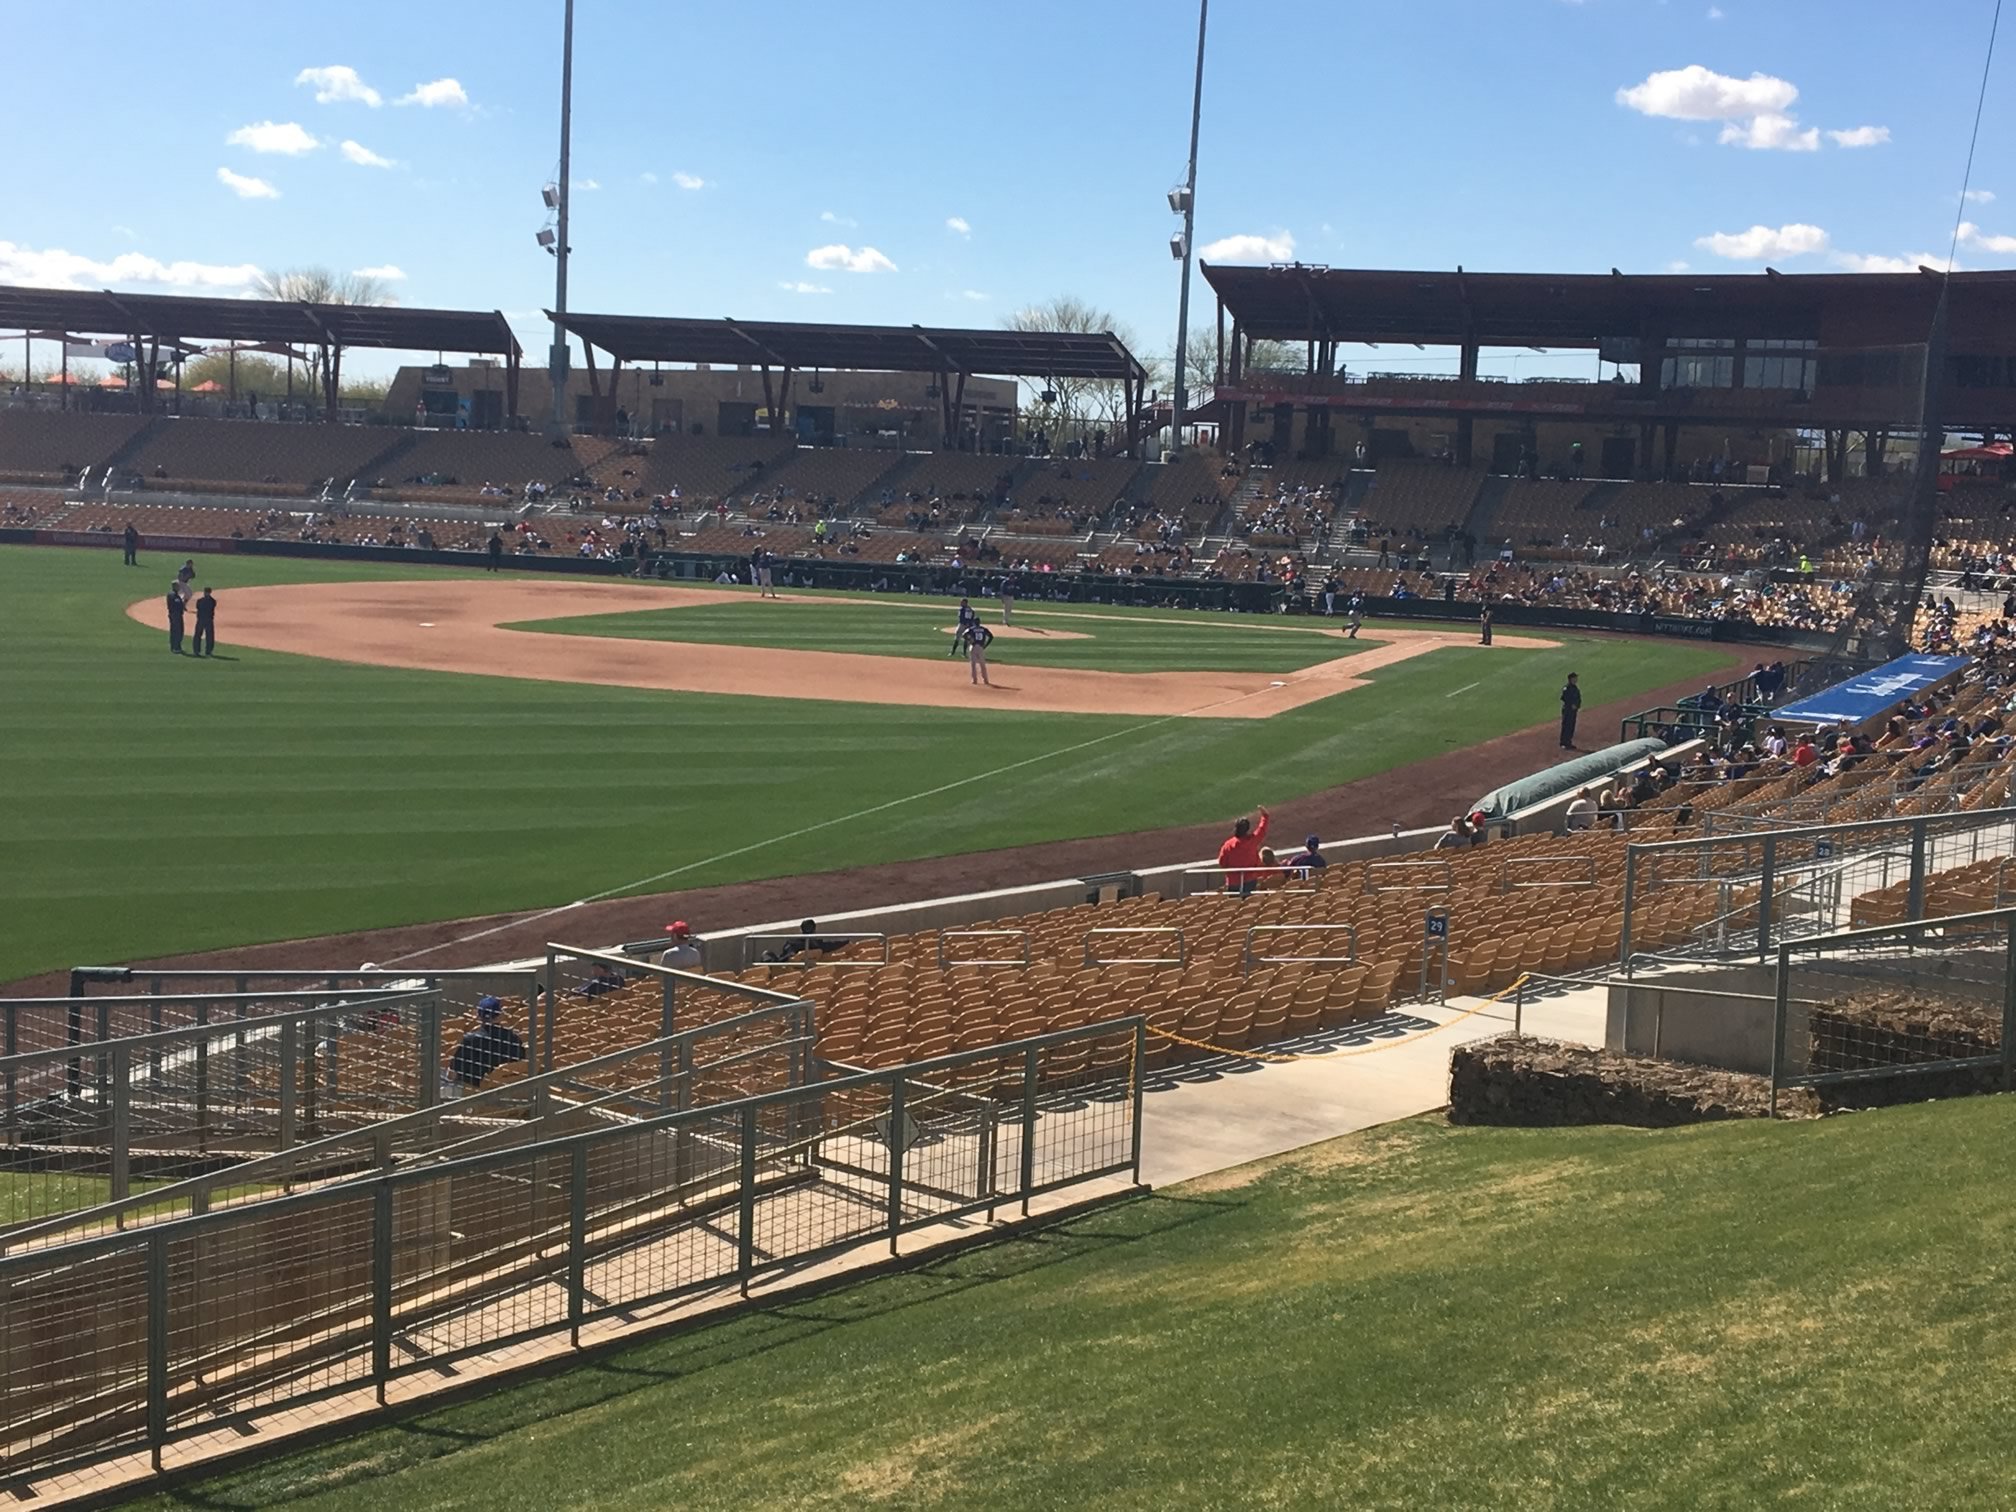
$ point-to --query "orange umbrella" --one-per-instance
(207, 386)
(111, 380)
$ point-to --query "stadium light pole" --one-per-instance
(557, 359)
(1189, 225)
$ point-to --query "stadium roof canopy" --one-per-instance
(178, 318)
(889, 349)
(1301, 302)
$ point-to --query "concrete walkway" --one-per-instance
(1221, 1112)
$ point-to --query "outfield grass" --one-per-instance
(1730, 1316)
(158, 804)
(1114, 640)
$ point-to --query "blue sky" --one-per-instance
(967, 159)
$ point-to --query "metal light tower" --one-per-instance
(557, 359)
(1185, 201)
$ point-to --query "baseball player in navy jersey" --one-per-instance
(1005, 591)
(968, 618)
(977, 637)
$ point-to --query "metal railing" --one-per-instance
(1797, 881)
(811, 949)
(946, 960)
(1164, 931)
(128, 1342)
(1409, 876)
(601, 1000)
(1576, 869)
(1897, 1006)
(1248, 960)
(81, 1123)
(767, 1049)
(1195, 881)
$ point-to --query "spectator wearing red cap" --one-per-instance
(684, 951)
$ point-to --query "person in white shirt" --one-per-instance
(1582, 812)
(684, 951)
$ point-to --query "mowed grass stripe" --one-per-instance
(159, 805)
(895, 628)
(1734, 1315)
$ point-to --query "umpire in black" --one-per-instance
(1571, 708)
(205, 643)
(176, 604)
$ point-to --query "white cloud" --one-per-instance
(958, 223)
(1978, 196)
(1975, 237)
(1249, 247)
(804, 288)
(975, 295)
(687, 180)
(1695, 93)
(1762, 242)
(54, 268)
(584, 186)
(285, 137)
(1714, 13)
(384, 273)
(647, 177)
(363, 156)
(1910, 262)
(1678, 265)
(246, 188)
(837, 220)
(1861, 136)
(438, 93)
(337, 84)
(839, 257)
(1771, 133)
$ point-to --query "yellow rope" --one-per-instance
(1297, 1055)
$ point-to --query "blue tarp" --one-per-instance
(1870, 695)
(1556, 780)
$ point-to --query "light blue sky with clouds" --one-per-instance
(944, 162)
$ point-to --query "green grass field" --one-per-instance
(1730, 1316)
(1115, 640)
(158, 804)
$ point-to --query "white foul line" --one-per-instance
(822, 824)
(1464, 689)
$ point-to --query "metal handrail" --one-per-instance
(945, 963)
(1182, 957)
(529, 1089)
(1447, 884)
(1248, 960)
(179, 1228)
(230, 1028)
(802, 956)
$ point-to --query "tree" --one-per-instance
(316, 285)
(1200, 369)
(1078, 405)
(256, 373)
(320, 286)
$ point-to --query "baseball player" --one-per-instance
(968, 618)
(1356, 607)
(1005, 591)
(978, 637)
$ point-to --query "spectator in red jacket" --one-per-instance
(1803, 754)
(1241, 852)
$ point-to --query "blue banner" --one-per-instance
(1870, 695)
